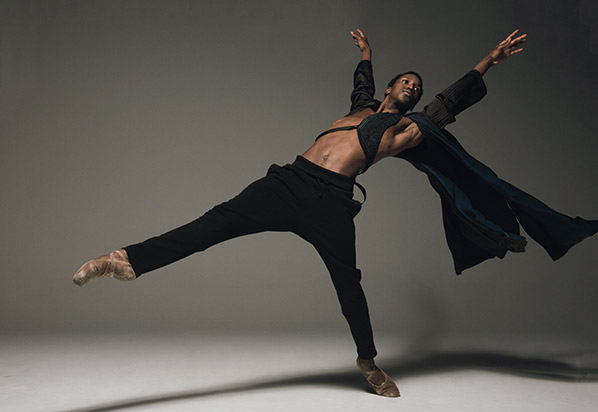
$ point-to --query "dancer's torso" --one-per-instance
(355, 142)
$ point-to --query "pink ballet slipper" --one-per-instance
(115, 265)
(382, 384)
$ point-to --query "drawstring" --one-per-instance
(318, 185)
(363, 192)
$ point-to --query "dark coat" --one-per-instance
(481, 212)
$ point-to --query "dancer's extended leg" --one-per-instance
(269, 203)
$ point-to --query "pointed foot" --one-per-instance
(382, 384)
(115, 265)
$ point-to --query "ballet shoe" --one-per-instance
(382, 384)
(115, 265)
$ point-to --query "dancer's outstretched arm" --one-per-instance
(470, 88)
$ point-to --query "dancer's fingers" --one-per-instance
(512, 34)
(520, 39)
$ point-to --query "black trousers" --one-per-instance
(302, 198)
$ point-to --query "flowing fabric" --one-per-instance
(481, 212)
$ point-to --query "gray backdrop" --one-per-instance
(123, 119)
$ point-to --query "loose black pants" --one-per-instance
(302, 198)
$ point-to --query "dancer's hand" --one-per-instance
(507, 47)
(502, 51)
(361, 41)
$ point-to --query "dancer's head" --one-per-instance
(406, 89)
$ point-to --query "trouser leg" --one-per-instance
(285, 200)
(262, 206)
(332, 232)
(346, 281)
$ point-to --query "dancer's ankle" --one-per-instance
(366, 364)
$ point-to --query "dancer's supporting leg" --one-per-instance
(333, 235)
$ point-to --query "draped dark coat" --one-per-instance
(481, 212)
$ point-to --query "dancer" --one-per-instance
(313, 196)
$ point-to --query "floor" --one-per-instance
(294, 371)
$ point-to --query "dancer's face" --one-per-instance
(406, 90)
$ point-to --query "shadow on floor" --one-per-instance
(400, 368)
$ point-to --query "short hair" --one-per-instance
(416, 74)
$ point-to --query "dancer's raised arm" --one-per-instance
(362, 96)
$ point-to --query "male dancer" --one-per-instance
(313, 197)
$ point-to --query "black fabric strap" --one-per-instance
(336, 129)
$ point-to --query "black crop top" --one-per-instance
(370, 132)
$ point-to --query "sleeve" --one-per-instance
(364, 89)
(460, 95)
